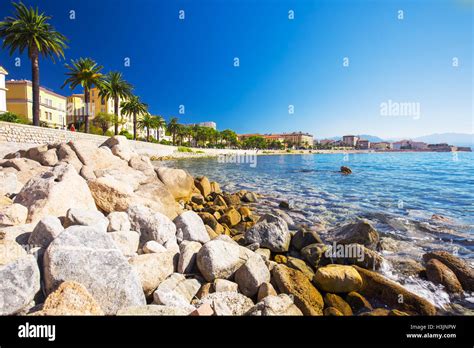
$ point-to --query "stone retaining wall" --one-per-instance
(18, 136)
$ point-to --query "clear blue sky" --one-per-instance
(282, 61)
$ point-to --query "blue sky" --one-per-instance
(283, 62)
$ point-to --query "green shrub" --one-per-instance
(200, 151)
(165, 142)
(12, 118)
(184, 149)
(126, 134)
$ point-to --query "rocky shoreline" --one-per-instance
(87, 230)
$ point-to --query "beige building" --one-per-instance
(297, 139)
(350, 140)
(3, 90)
(20, 101)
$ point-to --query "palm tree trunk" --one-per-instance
(135, 127)
(86, 111)
(147, 134)
(158, 134)
(36, 86)
(116, 111)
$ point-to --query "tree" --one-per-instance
(229, 136)
(104, 121)
(11, 117)
(147, 122)
(86, 73)
(115, 87)
(30, 30)
(173, 127)
(133, 106)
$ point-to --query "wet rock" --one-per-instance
(461, 269)
(249, 197)
(231, 217)
(307, 298)
(335, 301)
(313, 253)
(190, 226)
(439, 273)
(89, 256)
(46, 230)
(332, 312)
(288, 205)
(358, 302)
(251, 275)
(198, 199)
(389, 292)
(337, 279)
(345, 170)
(231, 199)
(303, 238)
(301, 266)
(203, 185)
(361, 232)
(270, 232)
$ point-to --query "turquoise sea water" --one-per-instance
(398, 191)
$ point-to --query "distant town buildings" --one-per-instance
(3, 90)
(19, 100)
(294, 139)
(409, 145)
(363, 144)
(350, 140)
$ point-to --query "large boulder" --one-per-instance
(177, 181)
(151, 225)
(45, 231)
(120, 147)
(360, 232)
(337, 302)
(337, 278)
(23, 168)
(227, 303)
(461, 268)
(156, 196)
(20, 281)
(111, 194)
(303, 238)
(10, 251)
(203, 185)
(153, 269)
(270, 232)
(71, 298)
(376, 286)
(9, 183)
(89, 256)
(177, 291)
(275, 305)
(290, 281)
(221, 259)
(13, 214)
(54, 192)
(251, 275)
(142, 164)
(188, 251)
(190, 226)
(67, 155)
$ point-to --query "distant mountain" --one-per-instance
(457, 139)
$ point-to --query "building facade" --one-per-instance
(363, 144)
(383, 145)
(3, 90)
(350, 140)
(295, 139)
(19, 97)
(208, 124)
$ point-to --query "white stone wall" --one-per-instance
(3, 94)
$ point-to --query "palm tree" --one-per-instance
(103, 121)
(30, 30)
(160, 123)
(173, 127)
(133, 106)
(84, 72)
(147, 122)
(116, 88)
